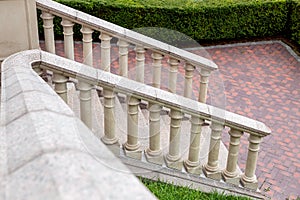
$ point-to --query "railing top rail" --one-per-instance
(123, 85)
(126, 34)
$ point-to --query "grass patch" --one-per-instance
(165, 191)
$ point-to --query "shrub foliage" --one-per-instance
(199, 19)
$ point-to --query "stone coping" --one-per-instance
(129, 87)
(48, 153)
(123, 33)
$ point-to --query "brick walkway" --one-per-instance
(258, 80)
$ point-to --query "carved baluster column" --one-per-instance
(249, 179)
(173, 74)
(211, 169)
(68, 38)
(105, 51)
(188, 81)
(109, 118)
(87, 45)
(154, 152)
(48, 31)
(140, 63)
(203, 85)
(60, 88)
(157, 57)
(85, 95)
(230, 174)
(123, 57)
(192, 165)
(173, 158)
(49, 37)
(132, 146)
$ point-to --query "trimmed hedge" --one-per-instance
(199, 19)
(295, 21)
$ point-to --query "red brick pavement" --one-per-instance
(261, 81)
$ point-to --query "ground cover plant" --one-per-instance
(164, 191)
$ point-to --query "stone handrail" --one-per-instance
(89, 77)
(48, 153)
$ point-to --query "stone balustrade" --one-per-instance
(179, 106)
(125, 38)
(47, 152)
(157, 99)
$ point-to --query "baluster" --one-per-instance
(109, 137)
(188, 81)
(68, 38)
(249, 179)
(173, 74)
(154, 152)
(192, 165)
(61, 89)
(109, 117)
(132, 146)
(157, 57)
(173, 158)
(87, 45)
(123, 57)
(140, 63)
(203, 85)
(211, 169)
(48, 31)
(230, 174)
(105, 51)
(85, 95)
(49, 37)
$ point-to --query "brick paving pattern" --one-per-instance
(260, 81)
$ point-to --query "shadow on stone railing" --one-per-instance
(47, 153)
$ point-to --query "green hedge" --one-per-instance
(295, 21)
(199, 19)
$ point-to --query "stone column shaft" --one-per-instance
(157, 58)
(68, 38)
(60, 87)
(173, 157)
(249, 179)
(211, 169)
(105, 51)
(203, 85)
(230, 174)
(48, 31)
(87, 45)
(109, 117)
(173, 62)
(188, 81)
(123, 57)
(192, 165)
(154, 153)
(85, 102)
(132, 145)
(140, 63)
